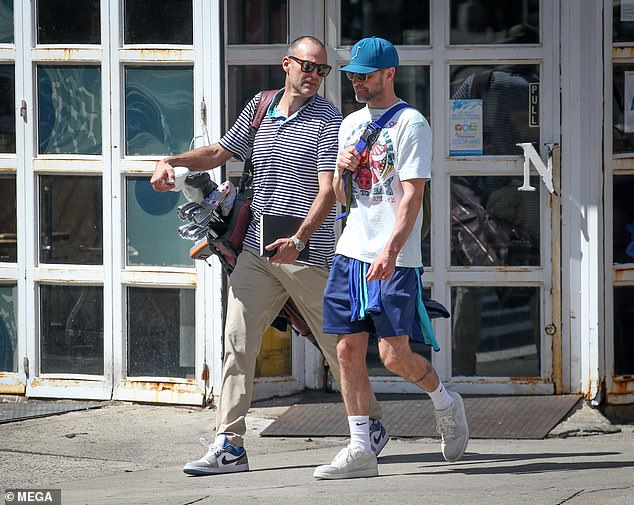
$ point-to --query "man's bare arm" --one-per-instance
(385, 263)
(203, 158)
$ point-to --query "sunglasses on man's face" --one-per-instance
(308, 66)
(362, 77)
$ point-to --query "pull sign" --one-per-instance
(546, 171)
(533, 105)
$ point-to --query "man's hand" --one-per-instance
(286, 251)
(348, 159)
(163, 177)
(382, 267)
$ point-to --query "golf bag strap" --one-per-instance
(266, 98)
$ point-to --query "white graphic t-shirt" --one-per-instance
(401, 152)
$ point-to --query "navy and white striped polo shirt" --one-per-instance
(287, 154)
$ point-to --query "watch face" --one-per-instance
(299, 245)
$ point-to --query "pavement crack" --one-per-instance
(196, 501)
(570, 497)
(35, 453)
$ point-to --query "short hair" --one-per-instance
(304, 38)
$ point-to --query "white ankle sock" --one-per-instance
(360, 432)
(441, 398)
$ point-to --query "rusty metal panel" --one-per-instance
(183, 393)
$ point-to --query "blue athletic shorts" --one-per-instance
(398, 295)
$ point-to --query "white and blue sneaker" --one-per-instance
(378, 436)
(221, 457)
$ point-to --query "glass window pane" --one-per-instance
(411, 84)
(246, 81)
(494, 22)
(72, 329)
(402, 22)
(161, 336)
(164, 22)
(623, 219)
(159, 110)
(622, 112)
(623, 324)
(8, 328)
(68, 22)
(622, 22)
(7, 109)
(496, 331)
(151, 226)
(8, 220)
(71, 212)
(69, 109)
(6, 21)
(494, 224)
(509, 98)
(257, 22)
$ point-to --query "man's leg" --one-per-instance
(357, 459)
(398, 358)
(255, 298)
(306, 285)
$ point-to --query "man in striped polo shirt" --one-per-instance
(294, 157)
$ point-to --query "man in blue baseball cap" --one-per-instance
(374, 285)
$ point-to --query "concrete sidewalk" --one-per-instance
(133, 454)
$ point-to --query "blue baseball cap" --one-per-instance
(371, 54)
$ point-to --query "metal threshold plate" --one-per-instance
(504, 417)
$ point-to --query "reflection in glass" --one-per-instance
(623, 124)
(623, 219)
(159, 110)
(402, 22)
(373, 360)
(494, 22)
(411, 84)
(71, 329)
(623, 324)
(71, 213)
(622, 22)
(510, 101)
(495, 331)
(494, 224)
(7, 109)
(68, 22)
(8, 220)
(151, 226)
(161, 336)
(6, 21)
(257, 22)
(164, 22)
(245, 81)
(8, 328)
(69, 109)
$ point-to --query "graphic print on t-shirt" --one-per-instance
(372, 181)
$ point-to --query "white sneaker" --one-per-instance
(349, 463)
(452, 426)
(378, 436)
(221, 457)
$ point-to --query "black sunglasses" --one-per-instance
(361, 77)
(308, 66)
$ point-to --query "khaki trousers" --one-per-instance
(257, 292)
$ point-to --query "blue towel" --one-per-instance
(365, 298)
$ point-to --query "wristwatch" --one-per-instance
(299, 245)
